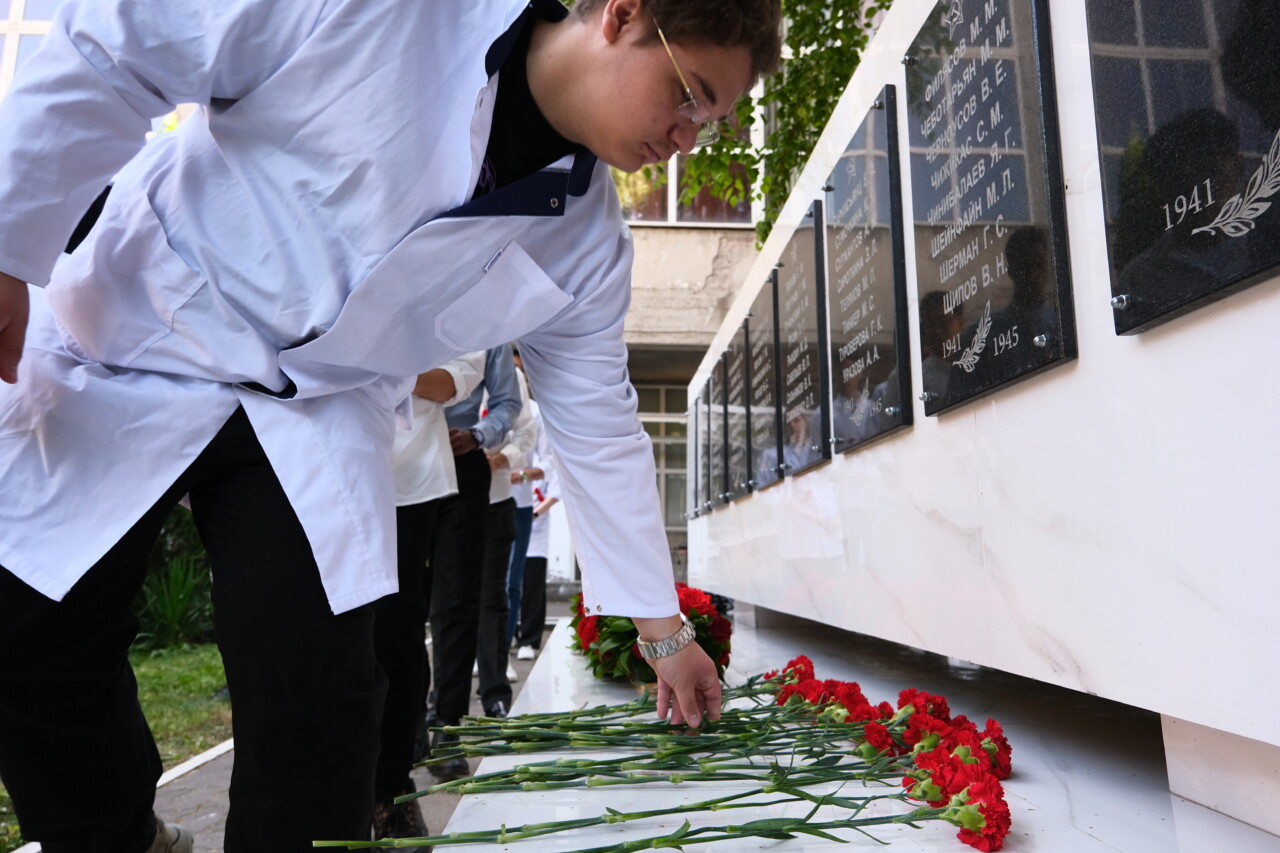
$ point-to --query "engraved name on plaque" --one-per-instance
(987, 192)
(867, 284)
(1188, 117)
(764, 416)
(739, 433)
(802, 344)
(716, 449)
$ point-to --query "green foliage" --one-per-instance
(182, 691)
(10, 838)
(825, 40)
(174, 606)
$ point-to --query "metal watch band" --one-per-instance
(670, 645)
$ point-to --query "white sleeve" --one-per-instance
(82, 104)
(607, 474)
(467, 372)
(524, 433)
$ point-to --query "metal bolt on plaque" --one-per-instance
(892, 410)
(877, 105)
(928, 397)
(1040, 341)
(1121, 302)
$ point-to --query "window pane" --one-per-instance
(674, 501)
(643, 197)
(654, 429)
(708, 208)
(677, 400)
(676, 455)
(650, 399)
(675, 430)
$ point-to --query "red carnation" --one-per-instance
(997, 746)
(588, 631)
(799, 668)
(928, 703)
(878, 736)
(988, 796)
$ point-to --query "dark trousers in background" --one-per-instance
(454, 596)
(491, 639)
(533, 603)
(515, 574)
(306, 694)
(400, 641)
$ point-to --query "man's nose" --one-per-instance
(685, 136)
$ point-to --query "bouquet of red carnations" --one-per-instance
(609, 642)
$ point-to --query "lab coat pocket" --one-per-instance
(513, 297)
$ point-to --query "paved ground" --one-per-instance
(198, 799)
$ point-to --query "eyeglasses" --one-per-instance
(692, 111)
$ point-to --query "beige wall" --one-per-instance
(683, 282)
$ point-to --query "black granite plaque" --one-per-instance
(867, 284)
(1188, 109)
(718, 448)
(994, 286)
(693, 459)
(763, 415)
(802, 349)
(738, 431)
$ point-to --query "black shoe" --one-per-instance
(497, 709)
(454, 768)
(402, 820)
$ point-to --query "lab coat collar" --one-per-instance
(548, 10)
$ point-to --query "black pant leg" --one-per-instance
(399, 640)
(70, 700)
(305, 689)
(457, 557)
(533, 602)
(491, 645)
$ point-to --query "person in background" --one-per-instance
(495, 674)
(522, 491)
(533, 597)
(422, 464)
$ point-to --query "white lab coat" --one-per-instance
(519, 444)
(421, 458)
(297, 238)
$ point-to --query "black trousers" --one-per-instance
(400, 642)
(306, 694)
(491, 639)
(454, 594)
(533, 603)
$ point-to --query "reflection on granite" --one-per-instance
(1089, 774)
(1188, 109)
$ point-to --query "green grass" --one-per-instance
(180, 691)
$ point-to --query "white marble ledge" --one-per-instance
(1089, 774)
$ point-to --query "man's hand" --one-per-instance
(15, 307)
(497, 461)
(462, 441)
(688, 676)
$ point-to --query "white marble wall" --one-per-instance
(1108, 526)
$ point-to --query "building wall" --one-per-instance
(1107, 525)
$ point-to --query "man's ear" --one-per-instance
(618, 16)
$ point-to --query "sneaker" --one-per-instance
(512, 675)
(526, 653)
(171, 838)
(454, 768)
(399, 820)
(497, 709)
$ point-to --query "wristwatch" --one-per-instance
(477, 436)
(669, 646)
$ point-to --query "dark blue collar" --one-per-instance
(543, 193)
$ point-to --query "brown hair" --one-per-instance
(753, 24)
